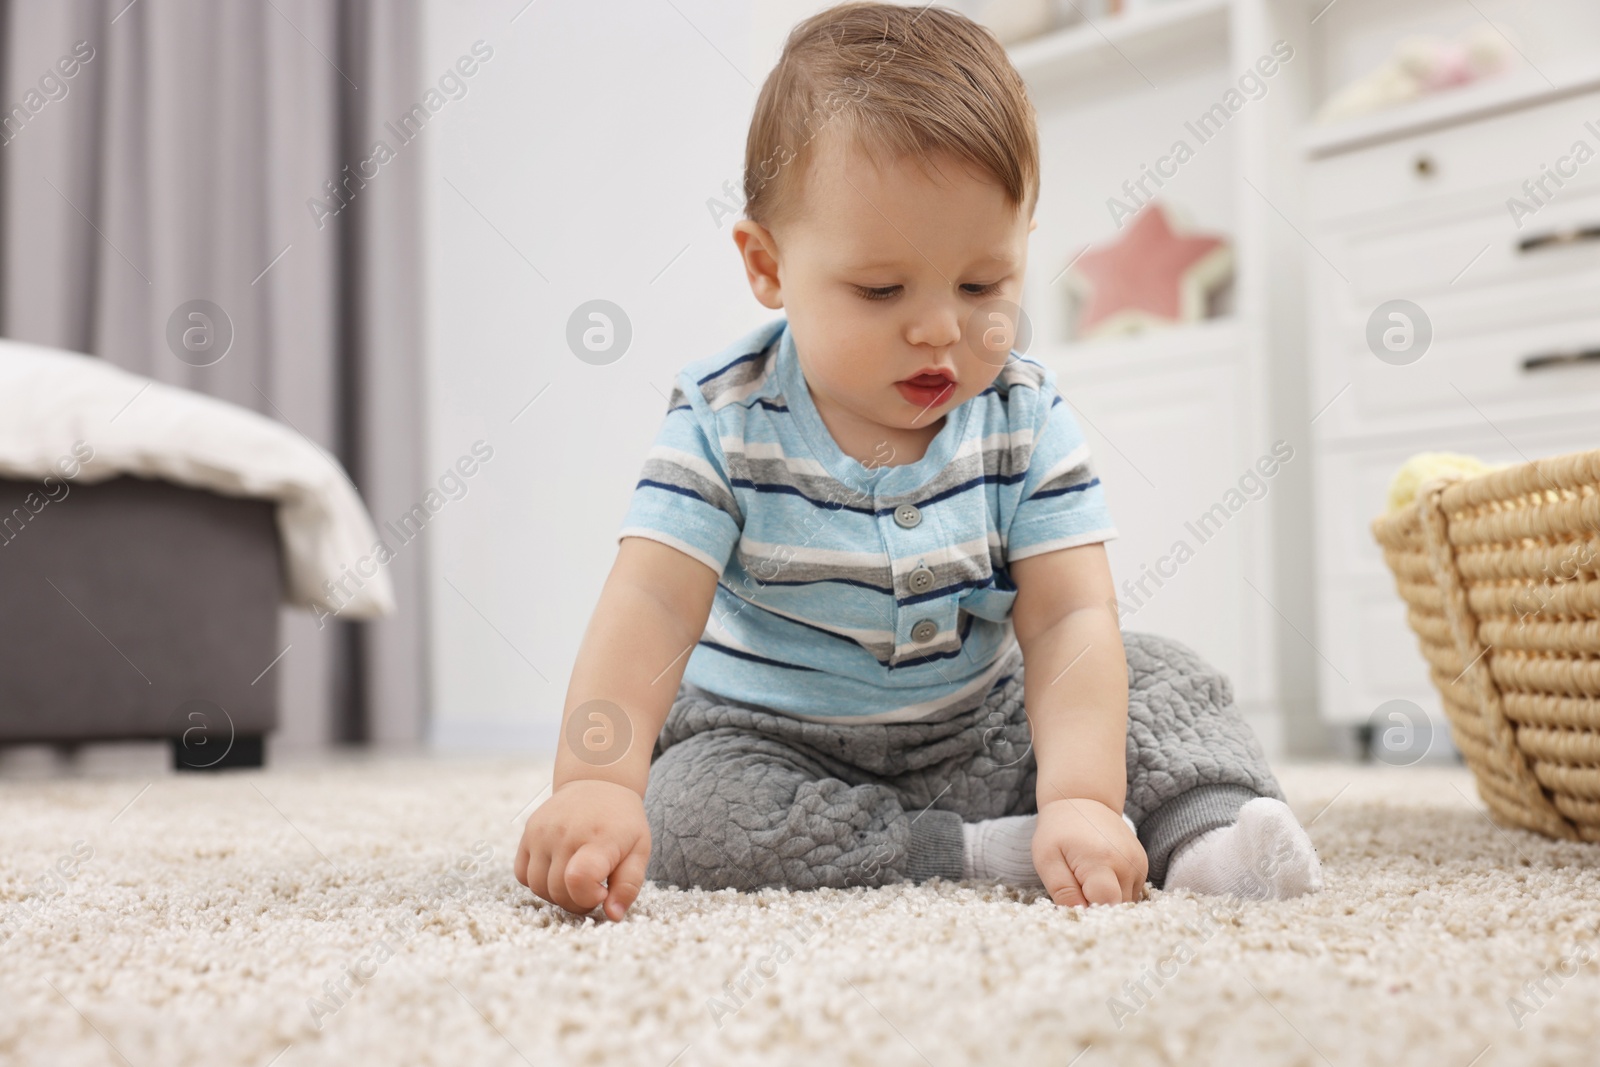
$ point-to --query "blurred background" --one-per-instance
(1283, 245)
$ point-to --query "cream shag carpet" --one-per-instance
(219, 920)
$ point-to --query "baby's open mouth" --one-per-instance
(926, 389)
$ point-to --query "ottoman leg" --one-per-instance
(247, 750)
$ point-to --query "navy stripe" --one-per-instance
(751, 657)
(827, 505)
(772, 487)
(945, 495)
(794, 622)
(935, 594)
(679, 489)
(746, 358)
(919, 598)
(963, 629)
(999, 581)
(1080, 487)
(885, 590)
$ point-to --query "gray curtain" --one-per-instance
(165, 151)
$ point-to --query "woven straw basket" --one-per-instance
(1501, 573)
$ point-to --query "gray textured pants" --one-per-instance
(743, 797)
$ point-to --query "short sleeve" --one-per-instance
(683, 497)
(1062, 503)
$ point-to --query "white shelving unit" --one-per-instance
(1147, 31)
(1176, 418)
(1526, 88)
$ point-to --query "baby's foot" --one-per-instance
(1265, 855)
(1001, 849)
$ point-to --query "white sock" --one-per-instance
(1265, 855)
(1001, 849)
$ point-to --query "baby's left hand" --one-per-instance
(1085, 854)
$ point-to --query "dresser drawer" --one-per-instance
(1415, 259)
(1474, 166)
(1469, 375)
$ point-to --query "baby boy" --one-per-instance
(861, 628)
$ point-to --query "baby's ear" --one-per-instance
(760, 254)
(1033, 224)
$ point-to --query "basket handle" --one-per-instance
(1464, 628)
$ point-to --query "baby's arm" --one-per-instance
(1075, 689)
(590, 841)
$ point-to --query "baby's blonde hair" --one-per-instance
(896, 81)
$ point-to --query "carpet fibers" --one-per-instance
(366, 912)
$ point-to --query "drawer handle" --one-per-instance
(1561, 359)
(1559, 237)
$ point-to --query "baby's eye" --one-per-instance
(975, 289)
(882, 292)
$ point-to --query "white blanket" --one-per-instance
(58, 406)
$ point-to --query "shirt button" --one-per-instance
(921, 580)
(924, 631)
(907, 515)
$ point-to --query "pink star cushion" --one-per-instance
(1149, 276)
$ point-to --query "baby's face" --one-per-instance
(886, 271)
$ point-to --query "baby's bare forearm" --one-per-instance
(1076, 693)
(626, 677)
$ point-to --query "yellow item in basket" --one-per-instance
(1426, 465)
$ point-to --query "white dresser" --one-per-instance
(1414, 207)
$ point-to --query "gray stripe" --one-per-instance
(1004, 461)
(1082, 474)
(1019, 372)
(774, 471)
(739, 375)
(658, 469)
(779, 567)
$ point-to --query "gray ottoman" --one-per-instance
(136, 609)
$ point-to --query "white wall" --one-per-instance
(590, 141)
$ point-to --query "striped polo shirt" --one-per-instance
(854, 592)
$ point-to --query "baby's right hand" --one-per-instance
(590, 842)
